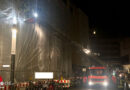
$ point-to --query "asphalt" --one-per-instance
(95, 88)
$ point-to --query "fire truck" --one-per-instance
(97, 76)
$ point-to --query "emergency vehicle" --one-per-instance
(97, 76)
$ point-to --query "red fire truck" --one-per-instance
(97, 76)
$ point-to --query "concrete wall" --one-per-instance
(5, 49)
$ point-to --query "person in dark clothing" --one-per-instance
(31, 86)
(40, 84)
(45, 85)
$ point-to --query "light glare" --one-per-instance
(120, 75)
(129, 85)
(94, 32)
(87, 51)
(35, 15)
(105, 83)
(14, 20)
(14, 32)
(90, 83)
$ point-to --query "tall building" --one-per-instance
(49, 43)
(111, 50)
(79, 36)
(125, 49)
(107, 49)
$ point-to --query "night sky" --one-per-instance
(109, 17)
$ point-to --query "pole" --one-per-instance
(12, 68)
(13, 53)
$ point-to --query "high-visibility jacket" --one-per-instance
(84, 79)
(114, 79)
(51, 87)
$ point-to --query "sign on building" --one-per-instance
(43, 75)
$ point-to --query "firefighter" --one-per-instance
(114, 79)
(121, 80)
(30, 85)
(45, 85)
(52, 85)
(40, 85)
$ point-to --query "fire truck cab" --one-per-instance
(97, 76)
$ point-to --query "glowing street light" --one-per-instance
(14, 20)
(14, 33)
(94, 32)
(13, 52)
(87, 51)
(14, 36)
(35, 15)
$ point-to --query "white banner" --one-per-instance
(43, 75)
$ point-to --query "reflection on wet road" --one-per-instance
(94, 89)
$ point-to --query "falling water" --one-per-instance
(39, 49)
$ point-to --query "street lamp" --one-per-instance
(35, 15)
(87, 51)
(14, 20)
(94, 32)
(13, 52)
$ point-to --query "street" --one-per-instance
(93, 89)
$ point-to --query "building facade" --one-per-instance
(125, 49)
(107, 49)
(49, 43)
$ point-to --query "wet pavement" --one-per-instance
(93, 88)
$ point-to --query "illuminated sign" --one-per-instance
(43, 75)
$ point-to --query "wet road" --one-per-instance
(93, 89)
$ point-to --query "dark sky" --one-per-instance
(109, 17)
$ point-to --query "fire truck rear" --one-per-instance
(98, 76)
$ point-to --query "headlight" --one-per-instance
(90, 83)
(129, 85)
(105, 83)
(1, 83)
(120, 75)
